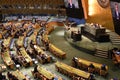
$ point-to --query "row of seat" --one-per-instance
(16, 75)
(90, 66)
(52, 48)
(41, 55)
(72, 72)
(43, 74)
(21, 50)
(7, 59)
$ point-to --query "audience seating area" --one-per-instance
(24, 55)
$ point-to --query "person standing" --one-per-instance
(117, 15)
(70, 4)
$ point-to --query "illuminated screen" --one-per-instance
(71, 3)
(115, 8)
(74, 8)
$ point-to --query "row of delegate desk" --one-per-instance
(16, 75)
(22, 52)
(44, 74)
(56, 51)
(101, 69)
(52, 48)
(26, 57)
(6, 55)
(41, 55)
(7, 59)
(72, 72)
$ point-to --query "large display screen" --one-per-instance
(71, 3)
(115, 8)
(74, 9)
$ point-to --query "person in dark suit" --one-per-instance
(35, 69)
(70, 4)
(117, 14)
(103, 67)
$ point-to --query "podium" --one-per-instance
(76, 37)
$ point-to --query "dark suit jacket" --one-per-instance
(117, 16)
(71, 6)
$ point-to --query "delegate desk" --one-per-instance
(26, 56)
(38, 49)
(41, 53)
(49, 29)
(59, 53)
(20, 41)
(72, 71)
(6, 42)
(45, 38)
(80, 62)
(19, 75)
(7, 59)
(33, 37)
(46, 74)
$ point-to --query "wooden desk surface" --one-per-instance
(49, 28)
(73, 70)
(45, 73)
(25, 55)
(86, 62)
(38, 49)
(45, 38)
(20, 41)
(19, 75)
(6, 42)
(7, 59)
(56, 49)
(55, 23)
